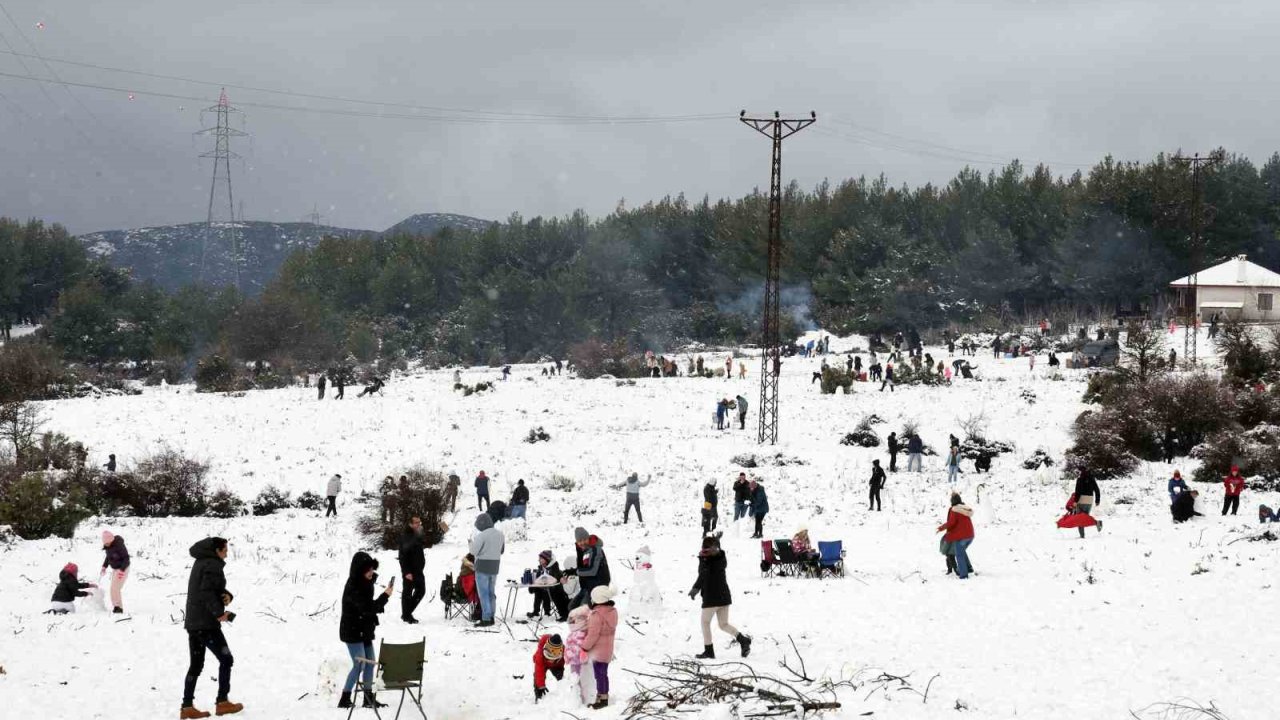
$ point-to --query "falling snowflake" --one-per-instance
(130, 96)
(39, 26)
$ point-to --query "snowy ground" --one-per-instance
(1171, 612)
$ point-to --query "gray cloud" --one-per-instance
(1062, 81)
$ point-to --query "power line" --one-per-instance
(926, 148)
(481, 115)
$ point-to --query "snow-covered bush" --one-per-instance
(593, 358)
(164, 484)
(215, 373)
(1100, 446)
(1256, 451)
(1040, 458)
(34, 506)
(862, 435)
(54, 451)
(562, 483)
(833, 378)
(224, 504)
(31, 371)
(309, 501)
(537, 435)
(270, 500)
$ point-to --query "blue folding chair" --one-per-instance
(831, 556)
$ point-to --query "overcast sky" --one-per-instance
(953, 83)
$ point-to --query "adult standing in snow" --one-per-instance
(602, 625)
(413, 563)
(331, 491)
(1087, 494)
(877, 483)
(722, 409)
(548, 657)
(710, 507)
(357, 624)
(742, 411)
(340, 381)
(741, 496)
(451, 491)
(894, 447)
(633, 485)
(759, 507)
(320, 386)
(207, 600)
(487, 546)
(953, 463)
(888, 377)
(482, 491)
(519, 500)
(1232, 485)
(592, 568)
(69, 588)
(716, 598)
(116, 561)
(915, 452)
(1176, 485)
(959, 533)
(728, 368)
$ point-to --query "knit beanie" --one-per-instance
(580, 534)
(71, 568)
(554, 649)
(107, 537)
(545, 555)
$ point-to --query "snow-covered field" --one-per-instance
(1051, 626)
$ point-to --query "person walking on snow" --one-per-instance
(1087, 494)
(207, 600)
(877, 484)
(413, 563)
(116, 560)
(592, 567)
(742, 411)
(894, 447)
(959, 533)
(519, 500)
(759, 507)
(451, 491)
(356, 626)
(69, 588)
(953, 463)
(710, 507)
(482, 491)
(320, 386)
(602, 625)
(915, 452)
(1232, 485)
(633, 486)
(741, 496)
(888, 377)
(331, 494)
(716, 599)
(548, 657)
(487, 545)
(1176, 485)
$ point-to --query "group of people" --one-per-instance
(725, 405)
(115, 561)
(1182, 500)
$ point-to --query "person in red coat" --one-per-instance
(959, 529)
(1233, 484)
(1078, 517)
(549, 657)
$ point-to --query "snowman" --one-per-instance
(645, 596)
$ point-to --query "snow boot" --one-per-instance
(602, 701)
(118, 611)
(411, 620)
(371, 700)
(190, 713)
(708, 653)
(345, 701)
(226, 707)
(1099, 526)
(745, 643)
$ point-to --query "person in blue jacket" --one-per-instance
(1176, 485)
(759, 507)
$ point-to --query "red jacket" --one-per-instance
(541, 664)
(1234, 484)
(958, 524)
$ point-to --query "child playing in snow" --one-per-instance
(575, 656)
(602, 624)
(69, 588)
(549, 657)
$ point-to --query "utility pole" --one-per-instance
(776, 129)
(221, 153)
(1196, 245)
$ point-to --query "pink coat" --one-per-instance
(601, 627)
(574, 655)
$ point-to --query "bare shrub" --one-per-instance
(419, 494)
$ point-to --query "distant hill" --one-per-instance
(170, 255)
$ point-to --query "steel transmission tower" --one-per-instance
(776, 129)
(222, 155)
(1196, 245)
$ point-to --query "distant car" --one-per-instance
(1102, 353)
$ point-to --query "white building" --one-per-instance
(1237, 289)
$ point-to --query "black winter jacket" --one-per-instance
(877, 477)
(361, 603)
(520, 496)
(915, 444)
(1086, 485)
(894, 447)
(741, 491)
(412, 558)
(117, 555)
(711, 580)
(205, 587)
(69, 588)
(711, 495)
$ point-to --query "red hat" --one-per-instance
(71, 568)
(1235, 469)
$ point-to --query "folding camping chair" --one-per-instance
(457, 602)
(786, 558)
(831, 557)
(767, 560)
(400, 666)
